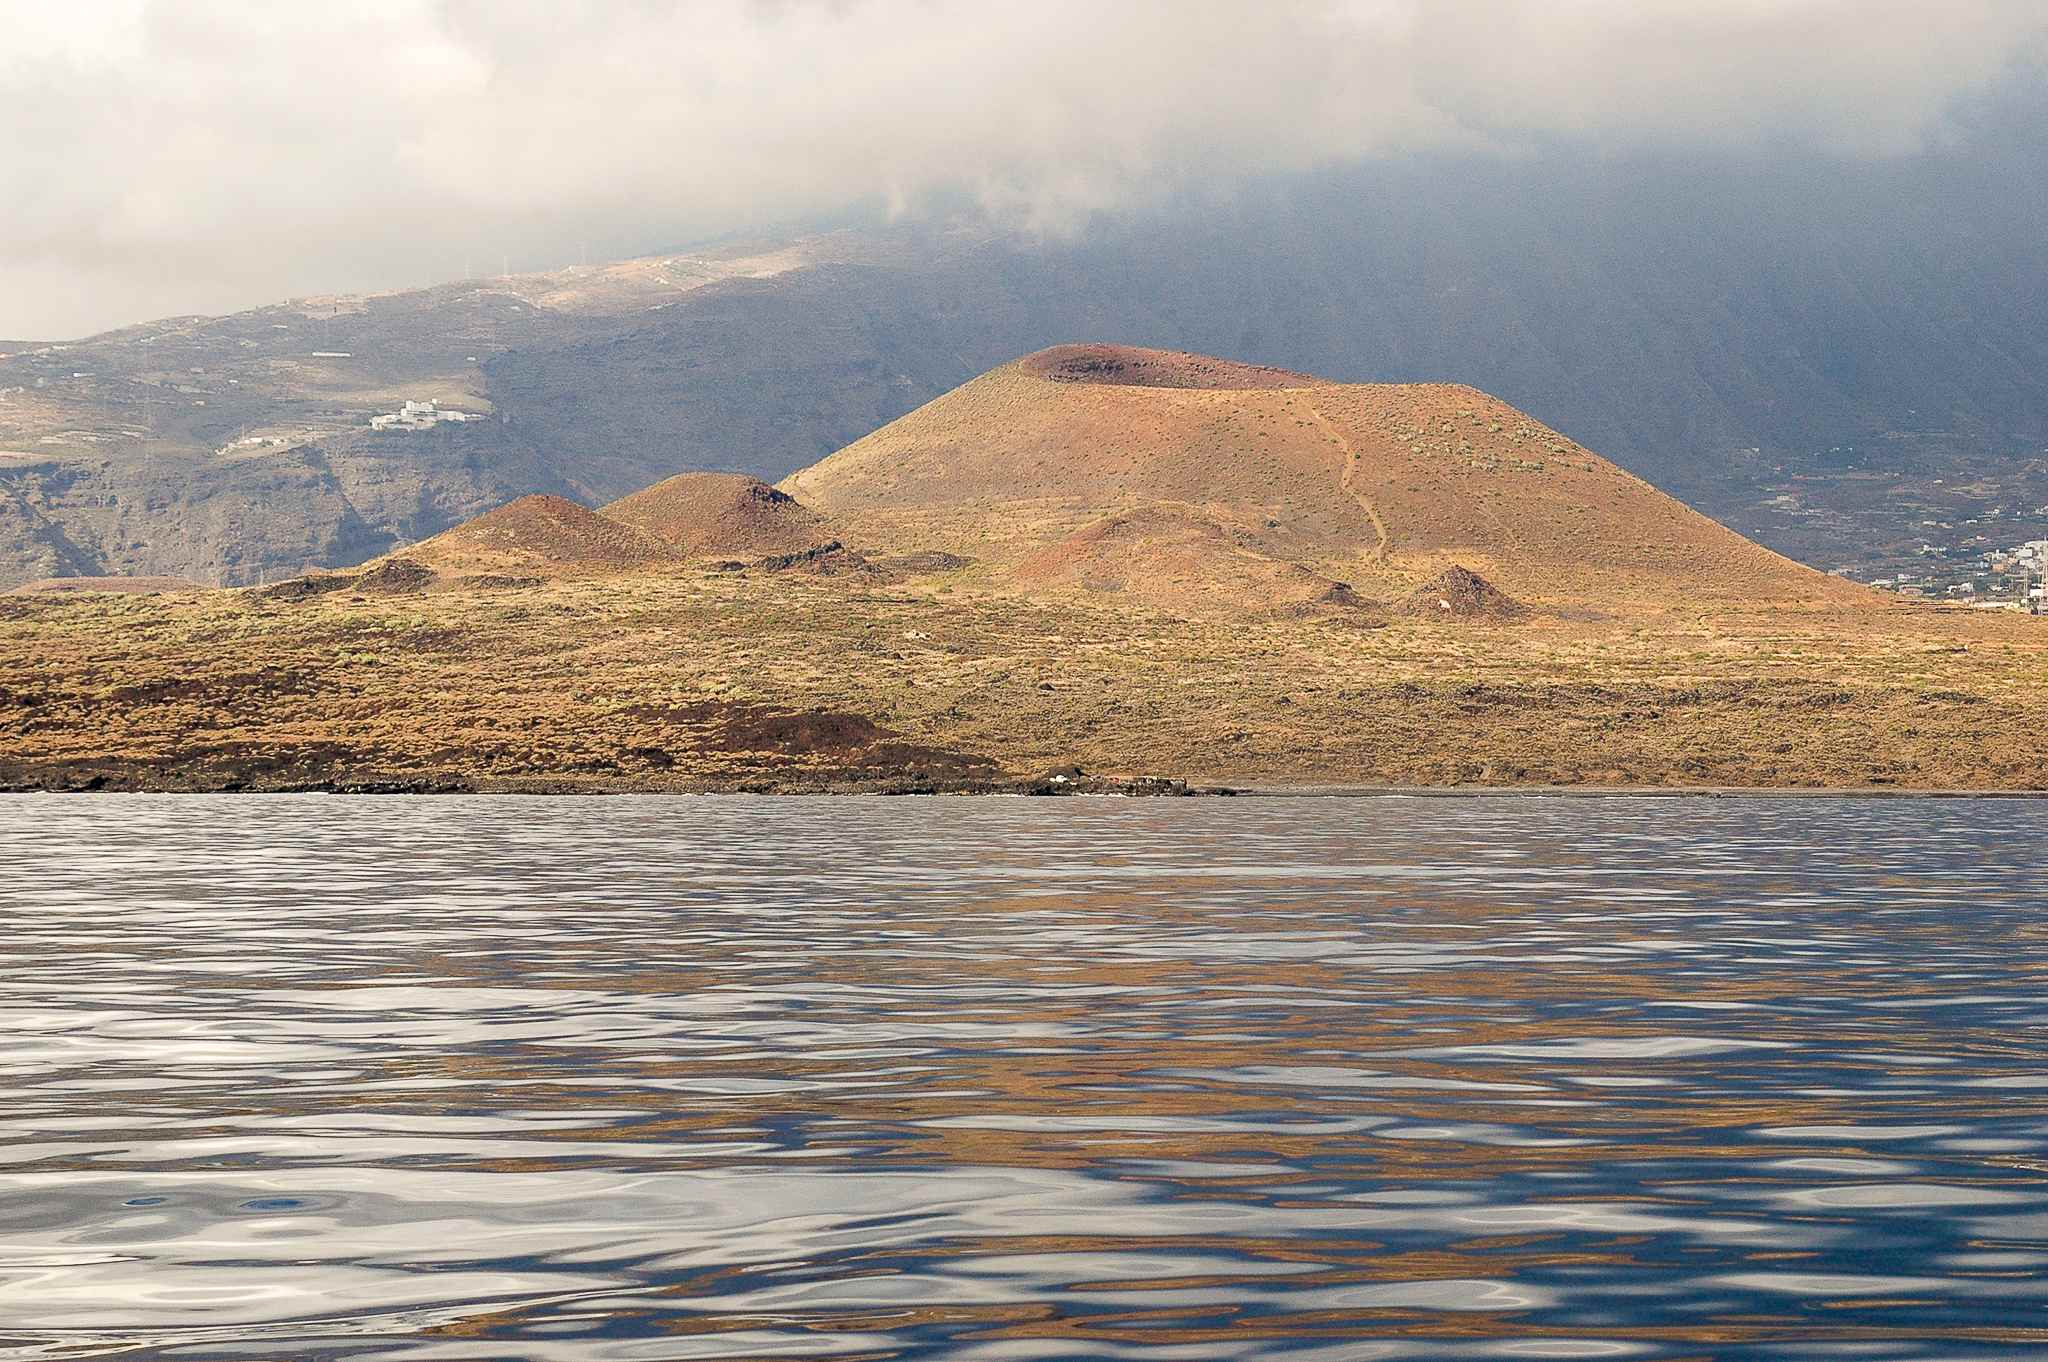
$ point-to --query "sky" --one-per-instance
(175, 156)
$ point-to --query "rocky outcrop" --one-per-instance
(1460, 593)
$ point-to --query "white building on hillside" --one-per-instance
(420, 416)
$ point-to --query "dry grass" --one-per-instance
(634, 682)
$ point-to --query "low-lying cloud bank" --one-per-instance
(176, 155)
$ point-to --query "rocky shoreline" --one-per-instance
(114, 777)
(117, 777)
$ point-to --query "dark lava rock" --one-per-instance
(392, 577)
(826, 560)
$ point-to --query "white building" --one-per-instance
(420, 416)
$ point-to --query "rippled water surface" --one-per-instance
(310, 1077)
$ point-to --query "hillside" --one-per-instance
(1178, 482)
(1164, 480)
(236, 449)
(1149, 566)
(1841, 360)
(1180, 479)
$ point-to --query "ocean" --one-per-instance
(716, 1078)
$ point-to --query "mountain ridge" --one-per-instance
(1826, 357)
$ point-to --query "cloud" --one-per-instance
(170, 155)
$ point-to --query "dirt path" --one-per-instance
(1345, 479)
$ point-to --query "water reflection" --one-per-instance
(1004, 1079)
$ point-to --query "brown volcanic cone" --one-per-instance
(722, 514)
(1380, 485)
(545, 535)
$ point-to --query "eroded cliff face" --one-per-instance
(231, 522)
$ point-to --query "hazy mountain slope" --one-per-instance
(758, 376)
(1670, 314)
(1674, 315)
(1666, 312)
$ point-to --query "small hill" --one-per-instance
(722, 515)
(1460, 593)
(542, 534)
(1380, 485)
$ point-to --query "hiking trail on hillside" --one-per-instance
(1346, 469)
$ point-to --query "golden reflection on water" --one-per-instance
(1003, 1079)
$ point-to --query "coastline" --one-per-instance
(1055, 785)
(1635, 792)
